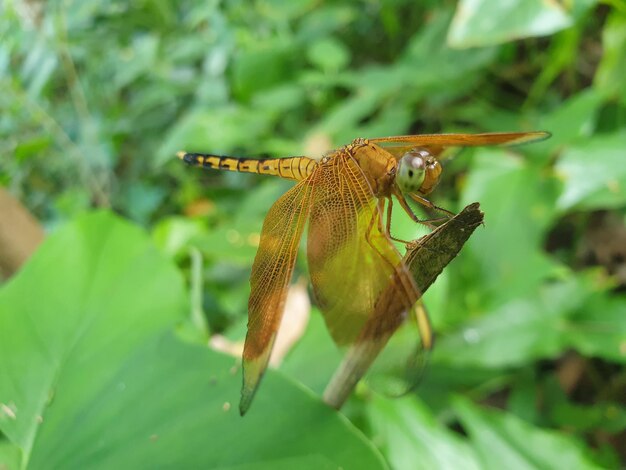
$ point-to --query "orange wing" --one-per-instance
(271, 273)
(436, 143)
(351, 260)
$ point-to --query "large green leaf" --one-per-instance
(609, 77)
(527, 328)
(518, 200)
(10, 455)
(88, 298)
(570, 124)
(598, 329)
(406, 429)
(488, 22)
(505, 441)
(594, 173)
(93, 376)
(315, 357)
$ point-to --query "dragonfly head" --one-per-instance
(418, 171)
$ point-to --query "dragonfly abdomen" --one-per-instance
(294, 168)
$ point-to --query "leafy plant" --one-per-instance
(98, 96)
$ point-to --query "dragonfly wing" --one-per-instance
(464, 140)
(437, 143)
(269, 281)
(351, 259)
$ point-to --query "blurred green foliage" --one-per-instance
(531, 318)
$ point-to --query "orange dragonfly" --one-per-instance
(351, 257)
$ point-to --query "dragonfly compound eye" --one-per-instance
(412, 170)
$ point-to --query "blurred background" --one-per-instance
(528, 371)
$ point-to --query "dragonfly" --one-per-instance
(346, 197)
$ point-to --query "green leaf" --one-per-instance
(94, 377)
(320, 22)
(263, 66)
(216, 131)
(560, 55)
(525, 329)
(101, 291)
(518, 201)
(594, 174)
(315, 357)
(425, 63)
(138, 59)
(328, 54)
(598, 329)
(283, 10)
(609, 417)
(433, 61)
(237, 239)
(279, 100)
(487, 22)
(172, 235)
(505, 441)
(10, 456)
(39, 65)
(522, 399)
(572, 123)
(411, 437)
(612, 69)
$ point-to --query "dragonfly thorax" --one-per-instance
(418, 172)
(378, 166)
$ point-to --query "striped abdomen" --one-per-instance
(294, 168)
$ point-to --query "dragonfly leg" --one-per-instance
(400, 271)
(428, 223)
(389, 209)
(376, 218)
(426, 203)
